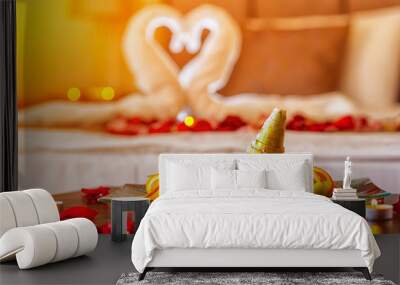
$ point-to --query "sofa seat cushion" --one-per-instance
(37, 245)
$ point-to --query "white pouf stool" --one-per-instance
(31, 230)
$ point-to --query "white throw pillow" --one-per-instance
(181, 177)
(251, 178)
(290, 175)
(227, 179)
(186, 175)
(223, 179)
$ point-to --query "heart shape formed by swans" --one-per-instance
(205, 74)
(186, 34)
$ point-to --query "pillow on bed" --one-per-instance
(186, 175)
(278, 67)
(251, 178)
(181, 177)
(228, 179)
(281, 174)
(223, 179)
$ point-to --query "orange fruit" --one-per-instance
(152, 186)
(322, 182)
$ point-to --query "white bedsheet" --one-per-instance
(250, 219)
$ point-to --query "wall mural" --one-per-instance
(109, 85)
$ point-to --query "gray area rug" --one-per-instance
(269, 278)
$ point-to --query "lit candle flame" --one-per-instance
(107, 93)
(189, 121)
(73, 94)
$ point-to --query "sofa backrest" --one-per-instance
(242, 160)
(26, 208)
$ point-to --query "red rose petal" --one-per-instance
(161, 127)
(230, 123)
(364, 122)
(78, 212)
(345, 123)
(298, 117)
(91, 195)
(297, 123)
(317, 127)
(396, 207)
(330, 127)
(134, 121)
(130, 226)
(104, 229)
(202, 125)
(181, 127)
(120, 126)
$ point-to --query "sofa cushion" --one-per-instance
(26, 208)
(37, 245)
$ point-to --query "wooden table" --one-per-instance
(119, 208)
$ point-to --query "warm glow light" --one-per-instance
(107, 93)
(73, 94)
(189, 121)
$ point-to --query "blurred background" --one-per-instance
(68, 44)
(71, 51)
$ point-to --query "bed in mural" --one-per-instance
(204, 81)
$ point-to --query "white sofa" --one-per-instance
(31, 231)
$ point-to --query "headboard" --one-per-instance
(165, 158)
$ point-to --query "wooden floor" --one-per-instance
(102, 266)
(386, 227)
